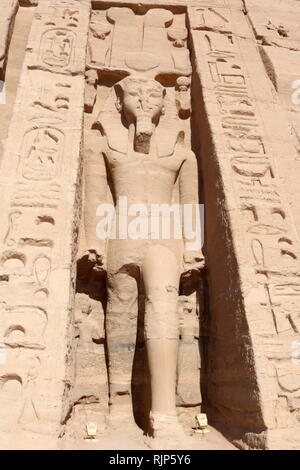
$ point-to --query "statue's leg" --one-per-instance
(161, 280)
(121, 331)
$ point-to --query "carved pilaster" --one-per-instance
(253, 381)
(40, 181)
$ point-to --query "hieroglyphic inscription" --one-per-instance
(260, 195)
(265, 219)
(59, 33)
(40, 169)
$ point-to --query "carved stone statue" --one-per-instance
(90, 90)
(89, 330)
(183, 99)
(9, 10)
(144, 163)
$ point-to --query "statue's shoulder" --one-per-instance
(103, 144)
(181, 148)
(190, 155)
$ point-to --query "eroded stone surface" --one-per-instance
(275, 23)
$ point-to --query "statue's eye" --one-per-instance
(133, 93)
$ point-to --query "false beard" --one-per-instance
(143, 134)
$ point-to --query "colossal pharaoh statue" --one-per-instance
(145, 163)
(67, 335)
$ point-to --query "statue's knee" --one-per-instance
(161, 320)
(161, 259)
(122, 293)
(160, 272)
(120, 329)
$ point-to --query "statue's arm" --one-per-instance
(95, 194)
(98, 332)
(189, 200)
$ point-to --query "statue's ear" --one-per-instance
(119, 95)
(163, 111)
(119, 105)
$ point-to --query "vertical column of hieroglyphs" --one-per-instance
(9, 10)
(264, 236)
(39, 180)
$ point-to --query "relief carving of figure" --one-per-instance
(89, 330)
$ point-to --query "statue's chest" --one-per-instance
(142, 162)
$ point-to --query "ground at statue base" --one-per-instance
(124, 441)
(115, 441)
(280, 439)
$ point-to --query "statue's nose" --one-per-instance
(144, 103)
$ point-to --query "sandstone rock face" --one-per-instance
(109, 328)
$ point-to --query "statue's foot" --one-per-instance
(168, 433)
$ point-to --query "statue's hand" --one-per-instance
(91, 262)
(193, 264)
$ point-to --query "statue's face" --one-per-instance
(86, 309)
(142, 98)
